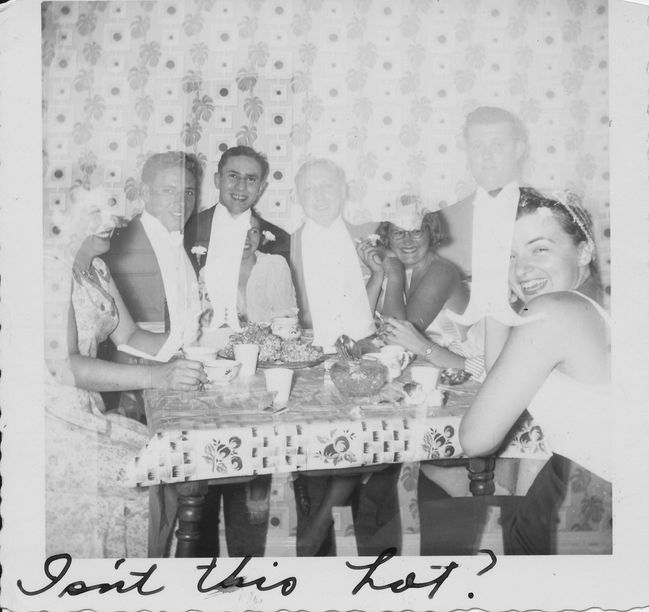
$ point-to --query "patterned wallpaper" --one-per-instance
(381, 86)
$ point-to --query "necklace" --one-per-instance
(87, 273)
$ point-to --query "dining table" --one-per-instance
(233, 431)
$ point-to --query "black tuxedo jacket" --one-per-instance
(134, 267)
(458, 220)
(199, 228)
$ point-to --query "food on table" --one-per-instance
(295, 351)
(272, 347)
(358, 378)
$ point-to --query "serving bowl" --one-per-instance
(358, 378)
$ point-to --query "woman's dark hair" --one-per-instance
(573, 218)
(431, 221)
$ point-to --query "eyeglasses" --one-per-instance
(169, 193)
(399, 234)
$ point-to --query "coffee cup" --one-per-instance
(393, 357)
(399, 353)
(221, 370)
(199, 353)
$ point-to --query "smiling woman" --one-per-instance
(412, 286)
(556, 365)
(265, 289)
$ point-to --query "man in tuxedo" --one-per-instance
(479, 238)
(153, 275)
(241, 179)
(331, 295)
(496, 145)
(157, 283)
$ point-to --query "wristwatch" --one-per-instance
(429, 351)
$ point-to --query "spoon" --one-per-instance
(347, 348)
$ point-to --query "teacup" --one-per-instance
(200, 353)
(221, 370)
(393, 357)
(286, 327)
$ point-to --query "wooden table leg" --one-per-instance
(191, 496)
(481, 475)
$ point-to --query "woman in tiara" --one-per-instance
(556, 365)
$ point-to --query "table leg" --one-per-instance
(481, 475)
(191, 496)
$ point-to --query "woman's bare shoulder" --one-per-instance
(562, 302)
(564, 313)
(442, 268)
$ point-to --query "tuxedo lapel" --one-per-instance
(197, 233)
(136, 272)
(297, 270)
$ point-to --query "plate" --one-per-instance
(293, 365)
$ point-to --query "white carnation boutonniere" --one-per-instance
(268, 236)
(198, 251)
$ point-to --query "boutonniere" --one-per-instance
(268, 236)
(198, 251)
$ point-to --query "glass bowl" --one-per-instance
(360, 378)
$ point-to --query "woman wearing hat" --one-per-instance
(414, 289)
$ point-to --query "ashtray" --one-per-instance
(453, 376)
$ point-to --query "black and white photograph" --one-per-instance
(324, 304)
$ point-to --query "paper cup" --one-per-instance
(425, 375)
(246, 354)
(279, 380)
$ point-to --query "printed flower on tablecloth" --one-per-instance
(223, 456)
(336, 447)
(528, 437)
(438, 444)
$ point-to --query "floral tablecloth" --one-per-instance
(230, 430)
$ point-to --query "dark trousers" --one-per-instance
(532, 529)
(449, 525)
(245, 535)
(375, 512)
